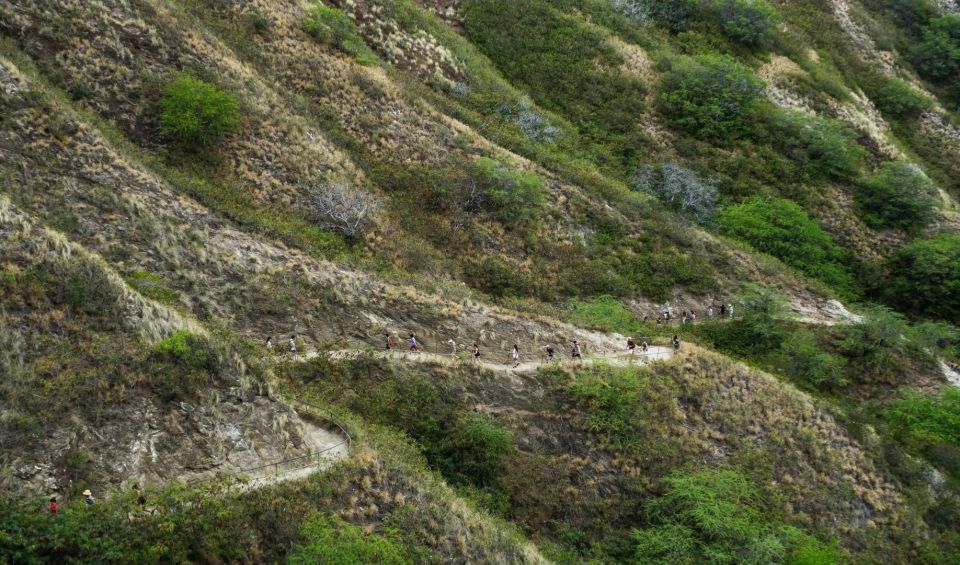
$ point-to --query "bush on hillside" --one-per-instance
(719, 516)
(330, 539)
(937, 55)
(751, 22)
(675, 15)
(803, 359)
(710, 96)
(926, 277)
(331, 26)
(190, 349)
(823, 144)
(512, 195)
(877, 349)
(529, 41)
(782, 229)
(898, 196)
(343, 208)
(899, 99)
(679, 187)
(197, 114)
(480, 446)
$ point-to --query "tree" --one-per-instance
(343, 208)
(937, 55)
(926, 277)
(195, 113)
(899, 99)
(781, 228)
(679, 187)
(747, 21)
(709, 96)
(899, 196)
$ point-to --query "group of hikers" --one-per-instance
(576, 350)
(665, 316)
(90, 501)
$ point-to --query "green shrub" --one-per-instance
(333, 541)
(710, 96)
(824, 144)
(331, 26)
(497, 278)
(603, 313)
(197, 114)
(514, 196)
(480, 447)
(803, 359)
(748, 21)
(151, 286)
(899, 99)
(718, 516)
(189, 349)
(877, 349)
(928, 420)
(926, 277)
(656, 273)
(782, 229)
(897, 196)
(937, 55)
(757, 329)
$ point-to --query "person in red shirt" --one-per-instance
(54, 505)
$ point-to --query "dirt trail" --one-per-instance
(615, 358)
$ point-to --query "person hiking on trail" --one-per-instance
(693, 317)
(549, 353)
(631, 345)
(389, 342)
(723, 310)
(269, 343)
(54, 505)
(413, 344)
(88, 497)
(730, 310)
(710, 313)
(516, 355)
(141, 499)
(293, 344)
(676, 342)
(453, 347)
(576, 352)
(683, 320)
(644, 346)
(476, 354)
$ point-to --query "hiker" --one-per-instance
(270, 343)
(723, 310)
(389, 341)
(710, 313)
(576, 352)
(659, 319)
(644, 346)
(730, 310)
(141, 499)
(676, 342)
(88, 497)
(516, 355)
(293, 344)
(693, 317)
(683, 320)
(414, 348)
(549, 353)
(54, 505)
(453, 347)
(631, 345)
(476, 354)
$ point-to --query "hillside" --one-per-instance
(182, 180)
